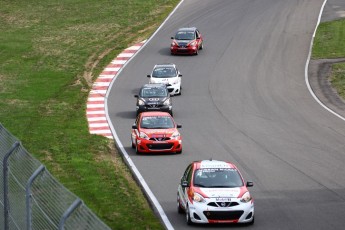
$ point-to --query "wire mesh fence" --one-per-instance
(31, 198)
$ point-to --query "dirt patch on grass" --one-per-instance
(319, 79)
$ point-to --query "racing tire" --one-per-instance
(179, 152)
(179, 208)
(196, 52)
(180, 91)
(202, 46)
(188, 220)
(252, 222)
(132, 144)
(137, 149)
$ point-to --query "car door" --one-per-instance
(182, 190)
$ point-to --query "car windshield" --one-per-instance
(217, 178)
(184, 35)
(164, 72)
(154, 92)
(157, 122)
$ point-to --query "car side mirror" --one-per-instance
(136, 96)
(250, 184)
(172, 37)
(184, 184)
(180, 75)
(148, 75)
(179, 126)
(134, 127)
(172, 95)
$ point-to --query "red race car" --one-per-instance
(156, 132)
(187, 41)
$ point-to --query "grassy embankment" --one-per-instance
(50, 52)
(330, 43)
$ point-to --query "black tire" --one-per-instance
(137, 149)
(180, 92)
(202, 46)
(179, 208)
(179, 152)
(132, 144)
(252, 222)
(188, 220)
(171, 113)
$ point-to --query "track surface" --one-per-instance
(245, 100)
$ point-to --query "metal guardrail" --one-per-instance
(31, 198)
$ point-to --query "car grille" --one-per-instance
(163, 146)
(222, 204)
(223, 215)
(153, 106)
(159, 138)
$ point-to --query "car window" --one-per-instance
(153, 92)
(184, 177)
(157, 122)
(219, 178)
(164, 72)
(184, 35)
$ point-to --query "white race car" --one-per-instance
(212, 191)
(169, 75)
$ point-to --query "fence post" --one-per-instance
(28, 195)
(68, 212)
(5, 182)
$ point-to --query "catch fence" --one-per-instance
(31, 198)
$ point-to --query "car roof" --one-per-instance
(155, 113)
(187, 29)
(154, 85)
(165, 64)
(204, 164)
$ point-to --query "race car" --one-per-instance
(187, 41)
(212, 191)
(156, 132)
(154, 97)
(169, 75)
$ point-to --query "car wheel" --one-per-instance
(202, 46)
(180, 91)
(171, 113)
(179, 208)
(252, 222)
(137, 149)
(197, 52)
(132, 144)
(179, 152)
(188, 220)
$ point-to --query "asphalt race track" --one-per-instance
(245, 99)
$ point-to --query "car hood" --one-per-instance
(183, 42)
(159, 132)
(166, 81)
(221, 192)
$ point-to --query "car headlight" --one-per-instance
(141, 102)
(198, 198)
(246, 197)
(175, 135)
(193, 43)
(143, 135)
(167, 102)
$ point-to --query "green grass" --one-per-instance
(329, 42)
(50, 53)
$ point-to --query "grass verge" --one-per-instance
(329, 42)
(50, 53)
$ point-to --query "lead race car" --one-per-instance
(212, 191)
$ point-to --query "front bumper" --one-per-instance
(169, 146)
(187, 50)
(212, 211)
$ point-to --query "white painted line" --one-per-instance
(112, 69)
(125, 55)
(101, 84)
(95, 91)
(119, 62)
(307, 64)
(97, 119)
(102, 131)
(90, 106)
(97, 125)
(98, 112)
(95, 99)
